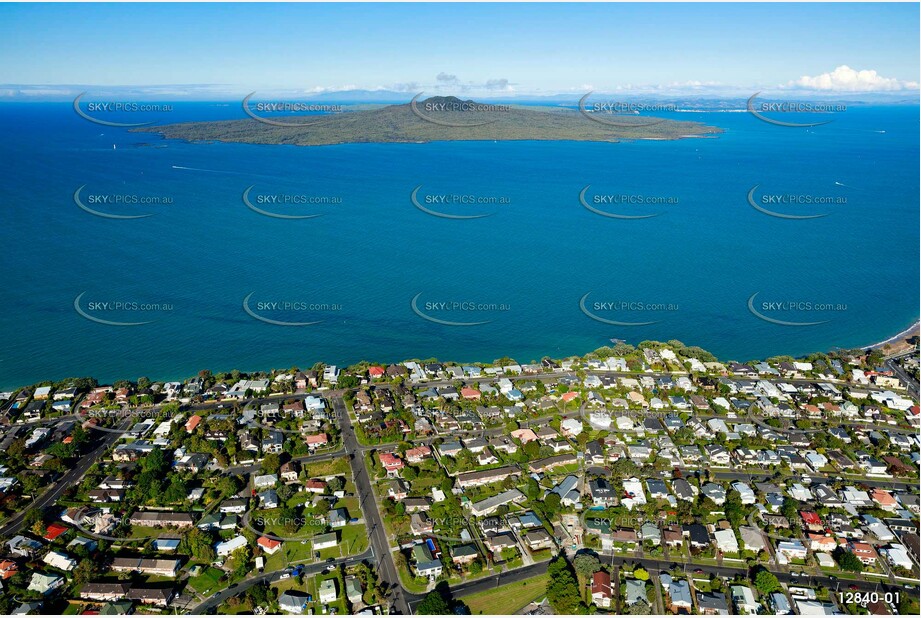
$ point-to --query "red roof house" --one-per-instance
(269, 546)
(316, 440)
(391, 462)
(415, 455)
(601, 589)
(54, 531)
(192, 423)
(470, 393)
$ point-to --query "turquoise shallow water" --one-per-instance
(532, 260)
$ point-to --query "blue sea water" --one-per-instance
(367, 257)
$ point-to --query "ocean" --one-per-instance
(378, 278)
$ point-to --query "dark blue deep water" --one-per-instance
(693, 267)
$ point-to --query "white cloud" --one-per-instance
(846, 79)
(498, 84)
(404, 87)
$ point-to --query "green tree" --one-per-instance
(230, 485)
(532, 491)
(289, 519)
(563, 589)
(586, 564)
(766, 582)
(176, 492)
(734, 510)
(84, 572)
(348, 381)
(271, 463)
(552, 503)
(789, 509)
(434, 603)
(155, 463)
(847, 560)
(199, 543)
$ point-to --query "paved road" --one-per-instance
(380, 545)
(72, 477)
(910, 383)
(209, 606)
(885, 483)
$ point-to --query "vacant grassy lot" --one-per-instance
(206, 582)
(338, 466)
(507, 599)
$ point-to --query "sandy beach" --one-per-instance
(898, 342)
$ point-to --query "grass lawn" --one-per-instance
(542, 555)
(409, 581)
(140, 532)
(292, 552)
(338, 466)
(243, 608)
(73, 609)
(349, 504)
(702, 585)
(301, 497)
(285, 585)
(354, 539)
(509, 598)
(206, 581)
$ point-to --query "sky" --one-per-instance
(509, 49)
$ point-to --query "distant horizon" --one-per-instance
(482, 49)
(20, 93)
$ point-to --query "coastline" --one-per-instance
(898, 341)
(914, 329)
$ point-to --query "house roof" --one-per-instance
(268, 543)
(55, 530)
(601, 583)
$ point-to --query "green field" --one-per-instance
(206, 582)
(507, 599)
(338, 466)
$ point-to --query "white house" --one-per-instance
(897, 555)
(328, 591)
(726, 541)
(791, 550)
(571, 427)
(226, 548)
(633, 493)
(744, 599)
(748, 496)
(600, 420)
(59, 561)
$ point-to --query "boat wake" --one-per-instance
(200, 169)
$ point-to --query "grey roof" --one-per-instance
(490, 503)
(709, 600)
(636, 592)
(565, 486)
(464, 550)
(682, 488)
